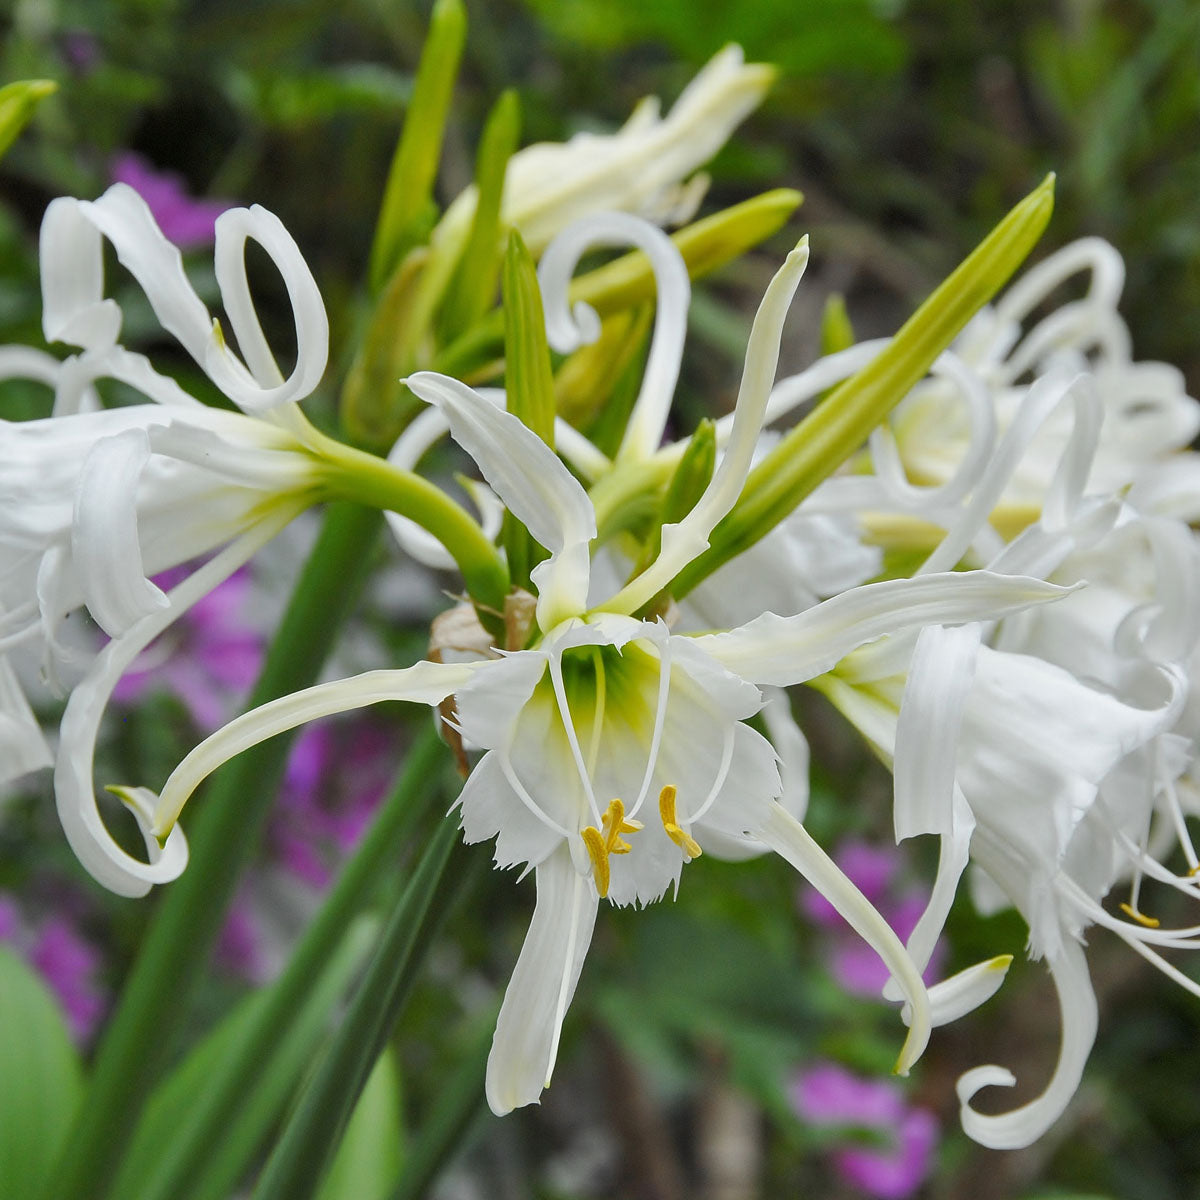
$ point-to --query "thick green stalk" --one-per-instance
(352, 474)
(154, 1000)
(306, 1146)
(187, 1157)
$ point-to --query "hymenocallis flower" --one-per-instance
(646, 167)
(97, 500)
(616, 751)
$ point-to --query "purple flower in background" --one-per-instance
(211, 661)
(188, 223)
(829, 1095)
(239, 946)
(335, 779)
(10, 919)
(874, 870)
(69, 964)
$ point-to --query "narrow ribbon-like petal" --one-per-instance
(423, 683)
(687, 539)
(104, 533)
(789, 839)
(787, 650)
(527, 1032)
(1023, 1126)
(966, 991)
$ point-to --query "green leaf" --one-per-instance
(40, 1079)
(305, 1146)
(265, 1093)
(369, 1160)
(528, 382)
(272, 1024)
(222, 840)
(820, 443)
(473, 288)
(17, 102)
(410, 181)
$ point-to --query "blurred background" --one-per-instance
(726, 1046)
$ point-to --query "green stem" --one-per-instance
(154, 1007)
(188, 1157)
(306, 1146)
(364, 478)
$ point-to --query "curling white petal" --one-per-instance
(787, 650)
(265, 388)
(687, 539)
(525, 1045)
(104, 533)
(74, 309)
(1024, 1125)
(788, 838)
(566, 331)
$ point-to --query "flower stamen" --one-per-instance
(1140, 917)
(677, 834)
(600, 845)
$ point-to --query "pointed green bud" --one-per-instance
(529, 380)
(375, 406)
(693, 475)
(820, 443)
(473, 289)
(17, 102)
(409, 186)
(837, 333)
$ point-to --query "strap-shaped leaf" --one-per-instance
(40, 1079)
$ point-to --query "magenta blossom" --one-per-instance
(335, 779)
(211, 660)
(829, 1095)
(186, 222)
(67, 962)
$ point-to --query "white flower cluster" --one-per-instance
(1030, 681)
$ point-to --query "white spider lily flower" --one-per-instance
(95, 501)
(1147, 414)
(616, 751)
(1041, 781)
(645, 168)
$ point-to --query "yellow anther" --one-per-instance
(1194, 871)
(598, 853)
(614, 824)
(1140, 918)
(677, 834)
(601, 845)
